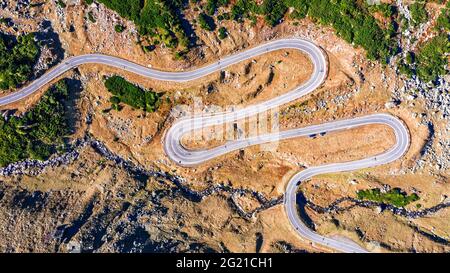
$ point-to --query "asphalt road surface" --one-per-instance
(184, 157)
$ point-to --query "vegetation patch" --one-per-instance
(61, 4)
(119, 28)
(206, 22)
(38, 133)
(432, 58)
(212, 5)
(223, 33)
(158, 19)
(130, 94)
(17, 57)
(395, 196)
(274, 11)
(352, 21)
(386, 9)
(443, 21)
(91, 17)
(419, 14)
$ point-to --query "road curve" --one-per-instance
(175, 150)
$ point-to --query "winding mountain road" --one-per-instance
(182, 156)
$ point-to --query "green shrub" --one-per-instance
(119, 28)
(91, 17)
(16, 59)
(386, 9)
(297, 14)
(395, 197)
(358, 26)
(61, 4)
(418, 12)
(432, 59)
(39, 132)
(410, 58)
(405, 69)
(243, 9)
(274, 11)
(212, 5)
(351, 20)
(180, 55)
(443, 21)
(114, 100)
(206, 22)
(156, 18)
(226, 16)
(130, 94)
(223, 33)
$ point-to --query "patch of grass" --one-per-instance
(395, 196)
(130, 94)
